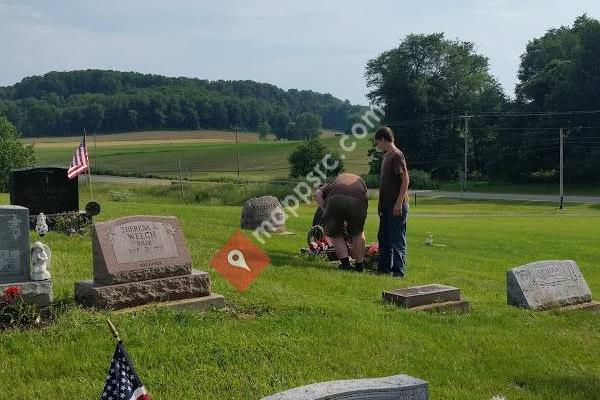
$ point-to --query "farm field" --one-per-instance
(203, 154)
(304, 321)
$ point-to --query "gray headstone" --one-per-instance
(14, 244)
(46, 190)
(398, 387)
(543, 285)
(15, 257)
(264, 211)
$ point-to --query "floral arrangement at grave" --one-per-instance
(372, 254)
(15, 312)
(72, 223)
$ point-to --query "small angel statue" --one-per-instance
(40, 224)
(40, 261)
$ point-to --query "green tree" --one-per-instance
(313, 153)
(559, 71)
(422, 85)
(263, 130)
(307, 126)
(13, 154)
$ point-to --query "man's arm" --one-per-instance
(319, 198)
(403, 191)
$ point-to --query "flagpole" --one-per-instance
(114, 331)
(89, 175)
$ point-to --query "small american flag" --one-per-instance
(80, 161)
(122, 383)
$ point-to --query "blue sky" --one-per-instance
(318, 45)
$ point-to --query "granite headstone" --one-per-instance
(139, 260)
(264, 211)
(15, 257)
(548, 284)
(14, 244)
(398, 387)
(46, 190)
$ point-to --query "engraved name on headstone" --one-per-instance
(546, 284)
(139, 248)
(46, 190)
(142, 241)
(264, 211)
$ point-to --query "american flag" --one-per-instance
(122, 383)
(80, 161)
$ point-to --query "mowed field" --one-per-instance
(203, 154)
(304, 321)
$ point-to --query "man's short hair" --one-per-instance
(386, 133)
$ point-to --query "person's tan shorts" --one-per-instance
(340, 209)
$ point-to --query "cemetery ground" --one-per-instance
(304, 321)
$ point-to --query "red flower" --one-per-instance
(373, 249)
(12, 291)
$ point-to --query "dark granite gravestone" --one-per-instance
(428, 298)
(139, 260)
(15, 257)
(549, 284)
(46, 190)
(264, 211)
(398, 387)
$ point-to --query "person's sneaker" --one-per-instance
(397, 275)
(358, 267)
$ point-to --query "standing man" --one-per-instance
(393, 205)
(344, 201)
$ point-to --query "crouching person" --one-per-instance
(344, 202)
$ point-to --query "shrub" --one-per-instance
(124, 195)
(310, 154)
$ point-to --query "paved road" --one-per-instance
(509, 196)
(427, 193)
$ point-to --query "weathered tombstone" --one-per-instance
(398, 387)
(143, 259)
(15, 257)
(428, 298)
(264, 211)
(46, 190)
(543, 285)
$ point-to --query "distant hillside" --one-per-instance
(63, 103)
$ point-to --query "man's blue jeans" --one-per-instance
(392, 241)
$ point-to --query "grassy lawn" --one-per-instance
(304, 321)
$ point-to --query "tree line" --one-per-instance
(64, 103)
(429, 86)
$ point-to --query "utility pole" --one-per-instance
(237, 148)
(466, 134)
(561, 167)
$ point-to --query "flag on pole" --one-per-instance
(122, 383)
(80, 161)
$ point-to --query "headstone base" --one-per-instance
(133, 294)
(460, 307)
(212, 301)
(33, 292)
(590, 306)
